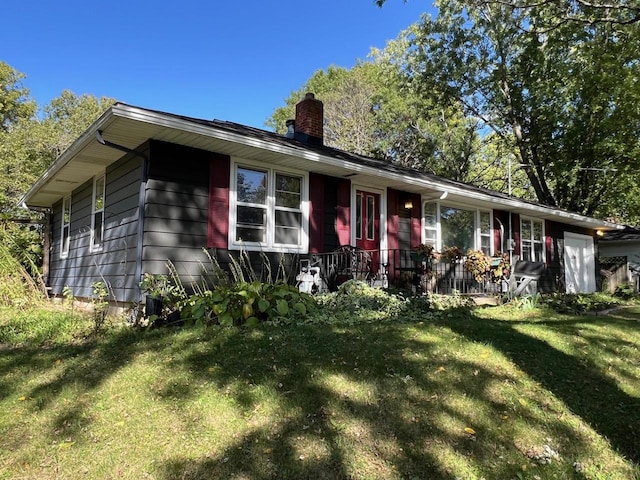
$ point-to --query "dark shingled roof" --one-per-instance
(629, 234)
(279, 139)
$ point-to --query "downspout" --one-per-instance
(502, 239)
(142, 198)
(141, 202)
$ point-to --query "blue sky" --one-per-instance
(230, 60)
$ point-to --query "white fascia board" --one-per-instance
(156, 118)
(170, 121)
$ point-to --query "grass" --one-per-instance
(495, 394)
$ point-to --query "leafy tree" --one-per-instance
(372, 110)
(621, 12)
(564, 102)
(15, 103)
(589, 12)
(29, 145)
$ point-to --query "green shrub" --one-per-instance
(17, 287)
(355, 302)
(247, 304)
(448, 302)
(625, 291)
(578, 303)
(100, 301)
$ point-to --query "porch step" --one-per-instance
(483, 300)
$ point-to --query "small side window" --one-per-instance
(65, 236)
(97, 216)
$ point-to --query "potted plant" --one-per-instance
(477, 264)
(156, 287)
(500, 268)
(451, 254)
(425, 252)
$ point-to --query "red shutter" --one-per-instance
(218, 218)
(515, 227)
(416, 220)
(343, 211)
(316, 213)
(393, 242)
(548, 245)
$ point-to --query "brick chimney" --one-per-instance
(309, 119)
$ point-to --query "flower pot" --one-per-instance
(174, 320)
(153, 306)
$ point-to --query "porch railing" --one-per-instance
(395, 268)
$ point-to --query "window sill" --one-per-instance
(268, 248)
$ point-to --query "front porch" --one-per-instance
(402, 269)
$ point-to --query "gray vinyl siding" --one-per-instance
(115, 263)
(176, 211)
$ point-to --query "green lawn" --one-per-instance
(495, 394)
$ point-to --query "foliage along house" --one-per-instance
(141, 187)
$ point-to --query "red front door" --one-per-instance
(367, 216)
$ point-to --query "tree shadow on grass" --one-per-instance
(578, 382)
(59, 371)
(372, 401)
(337, 432)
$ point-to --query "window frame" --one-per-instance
(95, 212)
(477, 227)
(370, 223)
(65, 238)
(532, 241)
(359, 210)
(480, 234)
(271, 208)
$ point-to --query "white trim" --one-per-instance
(93, 247)
(164, 120)
(477, 240)
(543, 240)
(269, 245)
(383, 209)
(65, 242)
(423, 225)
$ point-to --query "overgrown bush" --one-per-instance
(625, 291)
(578, 303)
(448, 302)
(356, 302)
(247, 304)
(17, 287)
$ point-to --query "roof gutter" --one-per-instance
(169, 121)
(157, 118)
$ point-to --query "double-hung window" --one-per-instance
(65, 234)
(430, 217)
(269, 209)
(97, 213)
(484, 232)
(531, 240)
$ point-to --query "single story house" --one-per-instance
(142, 187)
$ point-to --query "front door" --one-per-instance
(579, 263)
(367, 220)
(367, 225)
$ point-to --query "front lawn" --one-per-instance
(495, 394)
